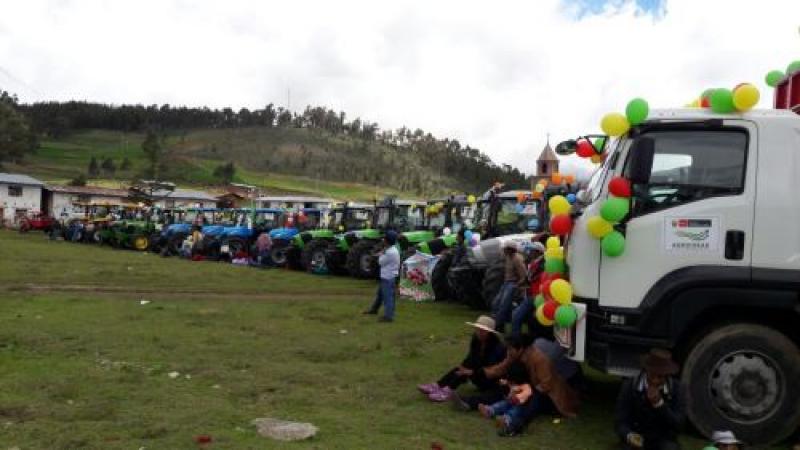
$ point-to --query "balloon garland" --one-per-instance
(554, 299)
(742, 98)
(612, 211)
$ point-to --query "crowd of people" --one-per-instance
(520, 376)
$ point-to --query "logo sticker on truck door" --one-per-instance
(691, 234)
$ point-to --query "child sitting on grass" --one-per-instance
(520, 392)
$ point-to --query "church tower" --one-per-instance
(547, 163)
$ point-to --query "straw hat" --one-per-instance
(659, 361)
(485, 323)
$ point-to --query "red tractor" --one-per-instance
(36, 221)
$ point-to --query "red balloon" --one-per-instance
(545, 287)
(536, 289)
(560, 224)
(619, 187)
(549, 309)
(552, 276)
(705, 102)
(585, 149)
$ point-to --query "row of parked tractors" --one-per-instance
(342, 240)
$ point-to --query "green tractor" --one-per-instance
(130, 234)
(405, 217)
(325, 249)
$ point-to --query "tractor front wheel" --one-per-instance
(314, 256)
(280, 253)
(236, 246)
(360, 260)
(140, 243)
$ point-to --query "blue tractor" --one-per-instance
(296, 222)
(172, 235)
(242, 236)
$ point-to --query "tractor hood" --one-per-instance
(285, 234)
(416, 237)
(239, 232)
(491, 250)
(177, 228)
(212, 230)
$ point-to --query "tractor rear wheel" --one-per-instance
(174, 245)
(314, 255)
(492, 281)
(235, 246)
(140, 242)
(360, 260)
(280, 253)
(439, 283)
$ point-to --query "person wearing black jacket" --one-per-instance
(650, 408)
(485, 350)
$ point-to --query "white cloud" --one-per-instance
(498, 76)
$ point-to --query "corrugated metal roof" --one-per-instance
(18, 178)
(89, 190)
(291, 198)
(186, 194)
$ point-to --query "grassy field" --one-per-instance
(84, 365)
(58, 161)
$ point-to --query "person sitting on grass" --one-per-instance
(650, 407)
(485, 349)
(389, 260)
(725, 440)
(511, 408)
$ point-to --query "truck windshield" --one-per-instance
(513, 217)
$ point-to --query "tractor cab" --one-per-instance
(399, 215)
(454, 213)
(346, 217)
(509, 213)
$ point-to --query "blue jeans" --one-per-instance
(540, 403)
(522, 313)
(501, 307)
(385, 296)
(506, 408)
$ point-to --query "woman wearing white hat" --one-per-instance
(485, 349)
(726, 440)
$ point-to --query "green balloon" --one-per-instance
(722, 101)
(539, 300)
(637, 111)
(613, 244)
(566, 316)
(615, 209)
(599, 145)
(793, 67)
(707, 93)
(774, 77)
(554, 265)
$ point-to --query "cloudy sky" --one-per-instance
(496, 75)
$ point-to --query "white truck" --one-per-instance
(711, 268)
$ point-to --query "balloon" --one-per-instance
(554, 266)
(637, 110)
(599, 145)
(556, 178)
(553, 242)
(584, 149)
(793, 67)
(569, 179)
(473, 242)
(520, 197)
(745, 97)
(705, 102)
(560, 224)
(549, 310)
(545, 286)
(571, 198)
(558, 204)
(614, 124)
(476, 236)
(722, 101)
(619, 187)
(537, 195)
(774, 78)
(471, 199)
(615, 209)
(556, 252)
(613, 244)
(447, 231)
(468, 235)
(539, 300)
(597, 159)
(566, 316)
(598, 227)
(539, 188)
(707, 93)
(541, 318)
(561, 291)
(695, 103)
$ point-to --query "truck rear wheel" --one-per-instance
(314, 255)
(743, 377)
(492, 281)
(441, 288)
(360, 262)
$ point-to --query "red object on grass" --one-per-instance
(203, 439)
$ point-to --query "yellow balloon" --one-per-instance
(745, 97)
(561, 291)
(695, 103)
(541, 318)
(614, 124)
(471, 199)
(554, 253)
(597, 159)
(539, 188)
(553, 242)
(558, 205)
(598, 227)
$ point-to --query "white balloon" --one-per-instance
(447, 231)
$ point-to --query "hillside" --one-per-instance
(197, 153)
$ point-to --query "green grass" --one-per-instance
(83, 365)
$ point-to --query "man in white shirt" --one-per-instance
(389, 260)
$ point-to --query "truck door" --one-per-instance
(694, 219)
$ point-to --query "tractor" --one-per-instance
(172, 236)
(324, 249)
(304, 220)
(251, 223)
(405, 217)
(500, 217)
(37, 221)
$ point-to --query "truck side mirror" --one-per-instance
(567, 147)
(640, 163)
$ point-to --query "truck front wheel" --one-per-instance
(743, 377)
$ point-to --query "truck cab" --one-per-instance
(711, 267)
